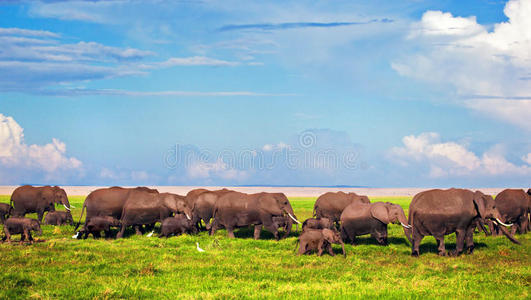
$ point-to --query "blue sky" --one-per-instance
(379, 93)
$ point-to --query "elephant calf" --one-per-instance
(58, 218)
(318, 223)
(22, 226)
(5, 211)
(176, 225)
(98, 224)
(320, 240)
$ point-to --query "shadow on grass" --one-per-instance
(431, 247)
(368, 240)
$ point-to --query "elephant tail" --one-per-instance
(296, 244)
(81, 216)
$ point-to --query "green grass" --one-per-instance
(142, 267)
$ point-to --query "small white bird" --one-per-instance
(150, 234)
(75, 235)
(198, 248)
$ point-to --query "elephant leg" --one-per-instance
(441, 248)
(513, 229)
(96, 234)
(415, 245)
(122, 231)
(273, 229)
(30, 238)
(40, 214)
(460, 242)
(257, 230)
(302, 248)
(330, 250)
(24, 236)
(230, 232)
(7, 235)
(320, 247)
(469, 241)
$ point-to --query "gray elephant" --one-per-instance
(203, 206)
(441, 212)
(320, 240)
(5, 211)
(22, 226)
(29, 199)
(372, 218)
(234, 210)
(98, 224)
(107, 202)
(314, 223)
(176, 225)
(58, 218)
(330, 205)
(513, 205)
(146, 208)
(192, 195)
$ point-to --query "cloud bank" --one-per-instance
(33, 162)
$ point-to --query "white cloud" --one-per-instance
(220, 169)
(16, 154)
(28, 32)
(527, 158)
(191, 61)
(451, 158)
(478, 63)
(280, 146)
(41, 61)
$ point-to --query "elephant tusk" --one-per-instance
(71, 206)
(405, 225)
(66, 207)
(187, 216)
(501, 223)
(294, 218)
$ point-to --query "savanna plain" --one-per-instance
(58, 266)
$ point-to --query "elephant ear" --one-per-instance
(270, 205)
(380, 212)
(479, 202)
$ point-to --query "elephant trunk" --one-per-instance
(508, 235)
(405, 225)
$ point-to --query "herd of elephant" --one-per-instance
(338, 217)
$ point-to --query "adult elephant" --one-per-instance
(29, 199)
(442, 212)
(235, 209)
(330, 205)
(192, 195)
(108, 202)
(372, 218)
(513, 205)
(203, 206)
(147, 208)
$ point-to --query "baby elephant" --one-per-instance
(322, 223)
(176, 225)
(22, 226)
(58, 218)
(5, 211)
(320, 240)
(98, 224)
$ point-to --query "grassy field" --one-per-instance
(142, 267)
